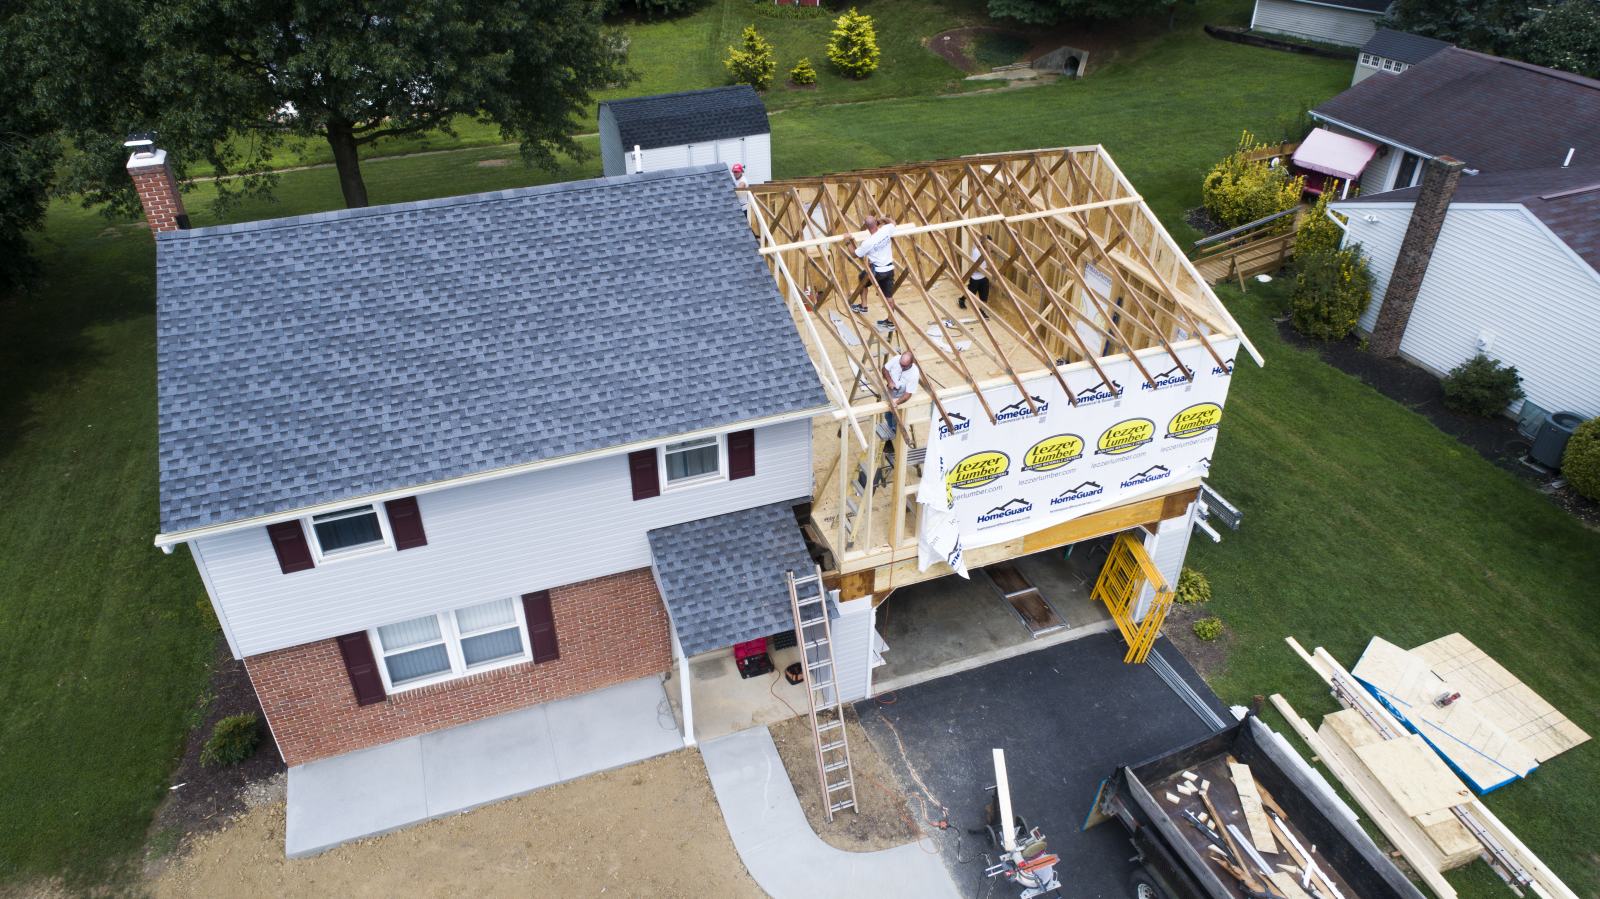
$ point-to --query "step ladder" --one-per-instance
(814, 636)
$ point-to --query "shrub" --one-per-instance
(803, 73)
(853, 48)
(1239, 190)
(1331, 287)
(232, 741)
(752, 62)
(1316, 233)
(1482, 386)
(1192, 587)
(1581, 462)
(1208, 629)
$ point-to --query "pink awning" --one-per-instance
(1334, 154)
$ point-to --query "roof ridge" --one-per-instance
(726, 88)
(1571, 77)
(514, 193)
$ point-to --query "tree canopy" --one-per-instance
(228, 81)
(1049, 12)
(29, 152)
(1563, 35)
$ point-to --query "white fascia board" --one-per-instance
(167, 540)
(1389, 141)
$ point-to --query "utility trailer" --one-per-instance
(1313, 828)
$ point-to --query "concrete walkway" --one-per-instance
(387, 787)
(778, 846)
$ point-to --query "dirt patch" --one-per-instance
(955, 46)
(1200, 219)
(884, 819)
(1208, 659)
(1495, 439)
(492, 163)
(651, 829)
(203, 798)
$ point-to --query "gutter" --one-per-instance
(166, 542)
(1377, 137)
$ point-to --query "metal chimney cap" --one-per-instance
(140, 142)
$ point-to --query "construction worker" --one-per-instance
(877, 248)
(740, 185)
(903, 376)
(978, 281)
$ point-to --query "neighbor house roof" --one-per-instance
(690, 117)
(1567, 200)
(313, 359)
(723, 577)
(1372, 6)
(1493, 114)
(1403, 46)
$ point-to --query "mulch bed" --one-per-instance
(204, 798)
(1208, 658)
(1201, 220)
(1495, 439)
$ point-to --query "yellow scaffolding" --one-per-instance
(1128, 568)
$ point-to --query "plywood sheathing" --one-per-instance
(1501, 697)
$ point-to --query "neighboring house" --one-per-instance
(1349, 23)
(1493, 114)
(667, 131)
(1393, 52)
(418, 451)
(1514, 274)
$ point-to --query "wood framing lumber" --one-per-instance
(1413, 775)
(1255, 817)
(1288, 886)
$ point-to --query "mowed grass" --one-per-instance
(1362, 519)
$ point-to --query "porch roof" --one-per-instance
(1334, 154)
(723, 577)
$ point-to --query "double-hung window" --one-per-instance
(692, 461)
(349, 531)
(451, 644)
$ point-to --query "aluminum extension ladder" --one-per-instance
(814, 636)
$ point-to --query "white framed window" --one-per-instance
(700, 461)
(1367, 59)
(448, 645)
(347, 532)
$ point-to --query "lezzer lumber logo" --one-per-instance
(978, 469)
(1194, 421)
(1126, 436)
(1053, 452)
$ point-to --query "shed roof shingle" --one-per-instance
(313, 359)
(723, 577)
(1567, 200)
(1493, 114)
(1403, 46)
(689, 117)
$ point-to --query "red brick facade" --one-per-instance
(158, 194)
(611, 629)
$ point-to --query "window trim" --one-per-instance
(315, 542)
(718, 477)
(452, 647)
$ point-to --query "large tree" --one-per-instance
(1488, 26)
(228, 81)
(1049, 12)
(29, 149)
(1566, 36)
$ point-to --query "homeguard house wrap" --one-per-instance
(441, 461)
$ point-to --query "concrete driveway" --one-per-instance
(1066, 716)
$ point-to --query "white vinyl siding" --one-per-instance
(1168, 548)
(1494, 269)
(492, 539)
(853, 634)
(754, 151)
(1319, 23)
(613, 159)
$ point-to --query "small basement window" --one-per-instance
(693, 461)
(448, 645)
(347, 530)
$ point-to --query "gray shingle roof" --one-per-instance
(1373, 6)
(689, 117)
(311, 359)
(1493, 114)
(1571, 211)
(1403, 46)
(723, 577)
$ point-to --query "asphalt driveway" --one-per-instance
(1066, 716)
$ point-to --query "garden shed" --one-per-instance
(725, 125)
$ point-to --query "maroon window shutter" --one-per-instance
(541, 626)
(646, 476)
(362, 668)
(289, 542)
(405, 523)
(741, 455)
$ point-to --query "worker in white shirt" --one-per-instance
(903, 375)
(978, 281)
(740, 184)
(877, 247)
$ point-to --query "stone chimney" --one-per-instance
(158, 189)
(1439, 179)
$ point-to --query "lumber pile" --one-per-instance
(1430, 816)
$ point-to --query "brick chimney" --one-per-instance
(1439, 179)
(158, 189)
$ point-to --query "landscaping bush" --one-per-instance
(232, 741)
(1192, 587)
(1482, 386)
(1580, 464)
(1331, 288)
(1316, 233)
(1208, 629)
(853, 48)
(803, 73)
(1239, 190)
(752, 62)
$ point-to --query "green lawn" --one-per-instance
(1362, 519)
